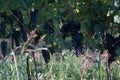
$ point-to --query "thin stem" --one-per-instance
(15, 62)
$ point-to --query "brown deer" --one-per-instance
(89, 56)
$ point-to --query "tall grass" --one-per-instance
(66, 67)
(15, 65)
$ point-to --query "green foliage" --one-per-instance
(95, 16)
(90, 14)
(65, 68)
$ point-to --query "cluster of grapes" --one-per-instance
(49, 27)
(65, 29)
(4, 47)
(77, 43)
(109, 40)
(73, 28)
(117, 41)
(3, 29)
(111, 43)
(16, 35)
(46, 54)
(33, 19)
(18, 15)
(24, 34)
(3, 15)
(3, 33)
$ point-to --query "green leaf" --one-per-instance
(3, 5)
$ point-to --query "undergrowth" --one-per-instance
(65, 67)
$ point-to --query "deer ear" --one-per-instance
(107, 51)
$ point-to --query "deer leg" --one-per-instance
(107, 70)
(109, 75)
(85, 65)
